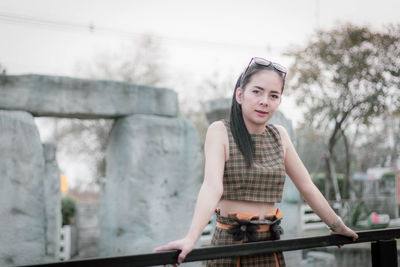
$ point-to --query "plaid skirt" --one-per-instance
(227, 237)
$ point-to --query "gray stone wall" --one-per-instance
(153, 165)
(22, 196)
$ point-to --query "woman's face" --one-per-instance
(260, 99)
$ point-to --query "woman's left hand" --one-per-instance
(345, 231)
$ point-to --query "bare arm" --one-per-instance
(301, 178)
(210, 191)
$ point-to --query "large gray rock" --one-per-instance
(81, 98)
(153, 165)
(22, 209)
(52, 202)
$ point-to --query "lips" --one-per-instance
(261, 113)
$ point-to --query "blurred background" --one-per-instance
(197, 49)
(340, 103)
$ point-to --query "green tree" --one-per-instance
(344, 77)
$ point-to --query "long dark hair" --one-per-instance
(239, 130)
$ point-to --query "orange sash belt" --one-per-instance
(249, 216)
(263, 225)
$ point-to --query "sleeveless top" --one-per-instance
(264, 180)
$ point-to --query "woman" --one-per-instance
(245, 164)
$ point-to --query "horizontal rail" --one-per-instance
(200, 254)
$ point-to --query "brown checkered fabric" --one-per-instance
(223, 237)
(264, 180)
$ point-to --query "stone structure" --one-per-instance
(153, 165)
(22, 193)
(80, 98)
(150, 189)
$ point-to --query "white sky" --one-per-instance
(199, 37)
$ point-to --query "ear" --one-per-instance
(239, 95)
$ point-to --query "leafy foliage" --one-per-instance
(68, 206)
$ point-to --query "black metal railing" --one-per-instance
(383, 250)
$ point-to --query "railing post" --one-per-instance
(384, 253)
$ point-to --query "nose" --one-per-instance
(264, 101)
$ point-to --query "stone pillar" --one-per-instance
(52, 202)
(154, 164)
(87, 222)
(22, 209)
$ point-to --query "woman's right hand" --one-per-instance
(185, 245)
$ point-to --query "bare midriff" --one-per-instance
(261, 208)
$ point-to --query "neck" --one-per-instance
(255, 128)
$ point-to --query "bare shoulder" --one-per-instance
(284, 136)
(217, 136)
(282, 131)
(217, 129)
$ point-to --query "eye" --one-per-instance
(275, 96)
(256, 91)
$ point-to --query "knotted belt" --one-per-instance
(242, 224)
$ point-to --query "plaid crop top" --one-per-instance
(264, 180)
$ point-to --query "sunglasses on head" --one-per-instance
(266, 63)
